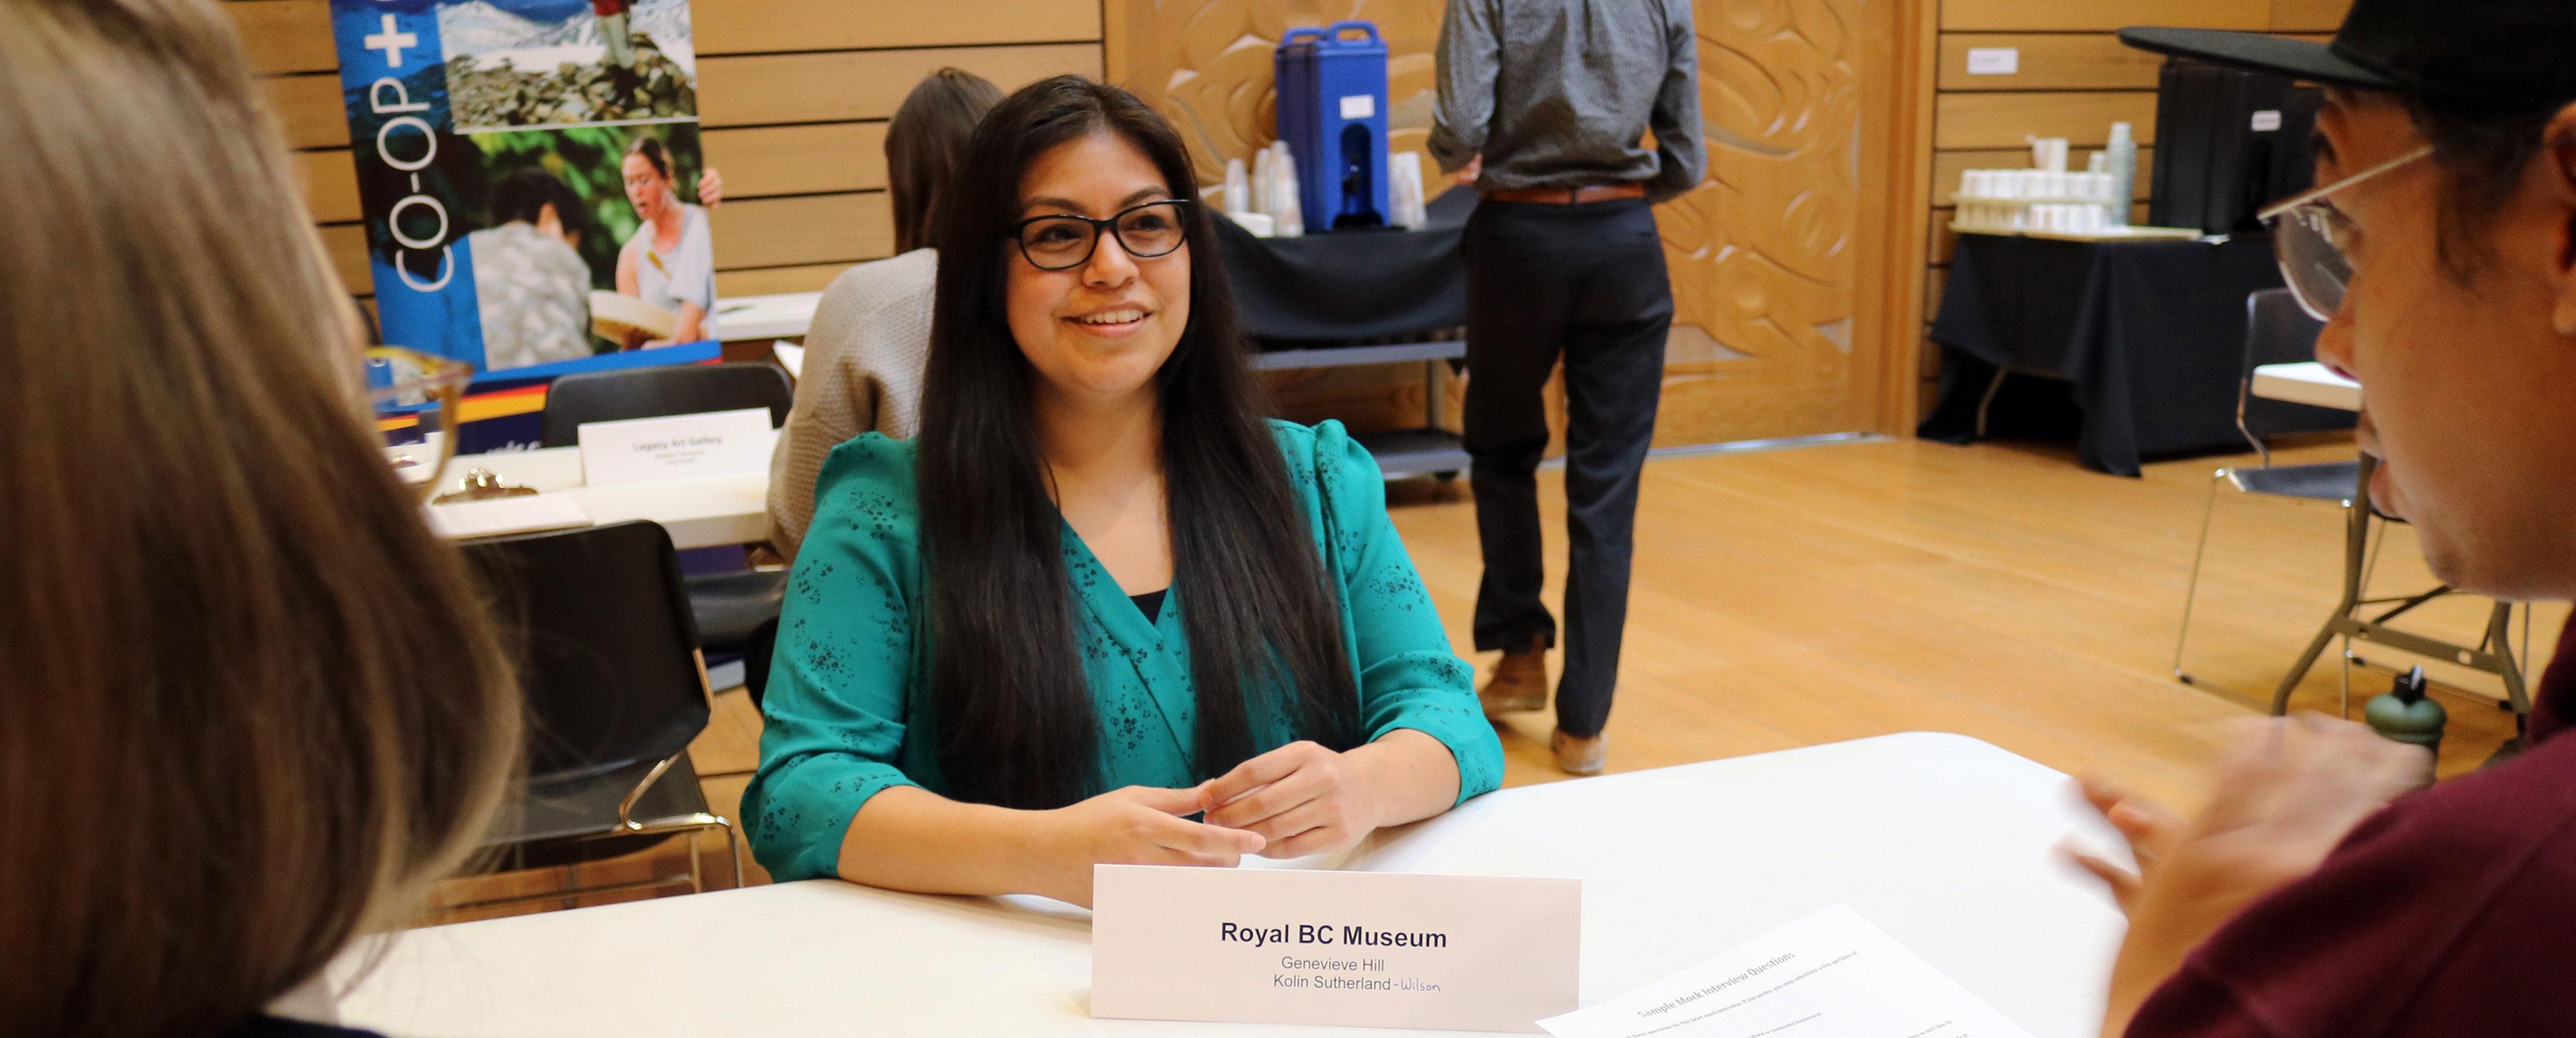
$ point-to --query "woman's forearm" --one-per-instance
(1411, 775)
(908, 838)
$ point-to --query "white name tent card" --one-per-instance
(1829, 975)
(688, 446)
(1355, 949)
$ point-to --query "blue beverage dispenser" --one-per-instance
(1332, 113)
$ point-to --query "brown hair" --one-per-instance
(923, 143)
(253, 706)
(650, 147)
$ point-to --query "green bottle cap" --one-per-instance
(2405, 714)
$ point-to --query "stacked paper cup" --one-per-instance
(2006, 200)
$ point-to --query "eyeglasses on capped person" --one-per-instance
(2311, 237)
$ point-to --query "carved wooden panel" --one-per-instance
(1767, 255)
(1764, 253)
(1207, 65)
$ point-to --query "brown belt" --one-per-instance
(1569, 195)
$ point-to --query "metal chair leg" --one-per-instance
(2369, 569)
(2343, 690)
(2356, 540)
(733, 849)
(2500, 629)
(2522, 665)
(2191, 591)
(1987, 402)
(697, 877)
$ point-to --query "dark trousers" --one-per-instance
(1585, 284)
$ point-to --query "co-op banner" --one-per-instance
(529, 170)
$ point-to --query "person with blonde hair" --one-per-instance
(254, 709)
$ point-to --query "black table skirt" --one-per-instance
(2150, 334)
(1351, 286)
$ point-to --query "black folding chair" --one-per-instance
(735, 610)
(2279, 331)
(609, 396)
(616, 690)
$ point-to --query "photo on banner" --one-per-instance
(529, 172)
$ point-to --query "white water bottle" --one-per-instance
(1238, 188)
(1291, 204)
(1262, 183)
(2124, 175)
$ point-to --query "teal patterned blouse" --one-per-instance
(850, 683)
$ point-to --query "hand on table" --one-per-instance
(1301, 798)
(1139, 825)
(2149, 829)
(2288, 792)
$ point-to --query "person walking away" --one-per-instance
(1546, 105)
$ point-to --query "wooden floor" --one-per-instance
(1800, 596)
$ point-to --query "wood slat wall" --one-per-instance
(2075, 79)
(793, 98)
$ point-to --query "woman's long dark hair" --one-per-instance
(1015, 713)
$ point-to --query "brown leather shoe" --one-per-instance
(1519, 684)
(1580, 756)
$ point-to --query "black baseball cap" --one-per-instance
(2514, 55)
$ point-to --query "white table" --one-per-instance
(1941, 840)
(698, 513)
(2307, 382)
(784, 316)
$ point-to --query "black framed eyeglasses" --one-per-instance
(1063, 242)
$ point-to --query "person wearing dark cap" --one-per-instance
(2322, 892)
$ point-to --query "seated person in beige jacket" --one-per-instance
(871, 334)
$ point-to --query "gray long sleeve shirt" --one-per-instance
(1560, 93)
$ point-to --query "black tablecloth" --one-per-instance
(2150, 333)
(1351, 285)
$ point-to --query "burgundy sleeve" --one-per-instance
(2403, 925)
(2194, 1003)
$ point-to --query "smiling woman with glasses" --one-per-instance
(1101, 610)
(1062, 242)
